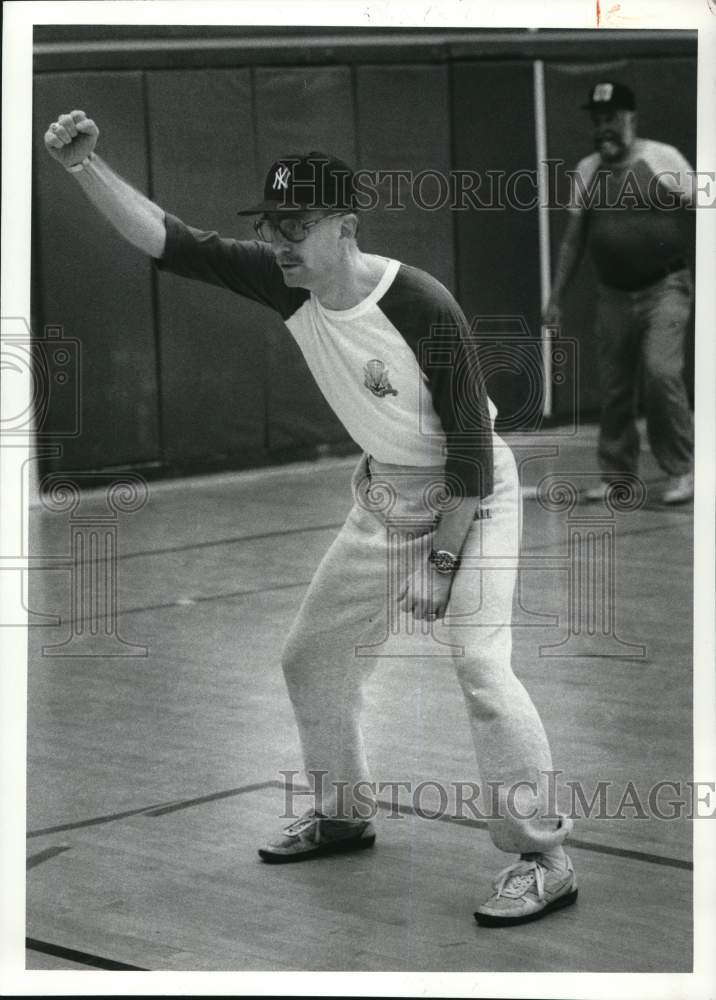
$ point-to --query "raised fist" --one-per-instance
(71, 138)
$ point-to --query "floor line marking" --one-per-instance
(94, 821)
(49, 852)
(189, 602)
(176, 806)
(335, 525)
(204, 599)
(232, 595)
(81, 957)
(233, 540)
(214, 797)
(158, 809)
(573, 842)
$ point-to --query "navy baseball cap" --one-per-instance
(298, 182)
(610, 96)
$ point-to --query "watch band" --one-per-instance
(76, 167)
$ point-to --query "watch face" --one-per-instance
(444, 561)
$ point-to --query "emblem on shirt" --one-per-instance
(376, 379)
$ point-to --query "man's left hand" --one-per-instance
(426, 593)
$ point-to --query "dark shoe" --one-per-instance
(313, 835)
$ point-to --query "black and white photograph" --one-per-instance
(357, 537)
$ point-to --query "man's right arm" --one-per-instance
(568, 258)
(71, 140)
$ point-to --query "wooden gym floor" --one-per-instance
(153, 778)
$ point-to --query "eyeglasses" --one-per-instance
(294, 230)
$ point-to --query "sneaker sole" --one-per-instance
(336, 847)
(490, 920)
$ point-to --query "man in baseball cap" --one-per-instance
(395, 358)
(624, 205)
(610, 96)
(612, 106)
(300, 193)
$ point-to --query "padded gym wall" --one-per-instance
(299, 110)
(186, 376)
(212, 342)
(666, 102)
(498, 247)
(403, 124)
(94, 285)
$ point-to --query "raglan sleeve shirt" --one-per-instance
(666, 175)
(435, 328)
(633, 213)
(245, 267)
(428, 406)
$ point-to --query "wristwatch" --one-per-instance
(444, 562)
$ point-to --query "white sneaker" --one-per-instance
(679, 489)
(527, 890)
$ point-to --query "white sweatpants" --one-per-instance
(348, 620)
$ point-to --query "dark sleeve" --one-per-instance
(245, 267)
(434, 326)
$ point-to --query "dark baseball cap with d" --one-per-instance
(298, 182)
(610, 96)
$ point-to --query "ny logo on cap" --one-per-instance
(603, 92)
(280, 178)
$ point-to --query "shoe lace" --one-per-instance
(303, 823)
(518, 878)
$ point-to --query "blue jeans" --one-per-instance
(648, 327)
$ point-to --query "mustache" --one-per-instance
(601, 136)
